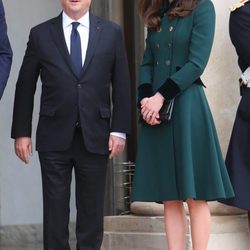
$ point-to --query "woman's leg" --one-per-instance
(175, 224)
(249, 218)
(200, 223)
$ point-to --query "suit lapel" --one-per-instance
(59, 39)
(94, 35)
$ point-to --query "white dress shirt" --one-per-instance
(83, 30)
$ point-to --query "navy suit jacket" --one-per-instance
(100, 96)
(5, 51)
(239, 27)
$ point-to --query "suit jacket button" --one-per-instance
(79, 85)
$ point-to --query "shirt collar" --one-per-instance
(84, 20)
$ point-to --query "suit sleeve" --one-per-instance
(5, 52)
(199, 51)
(120, 88)
(25, 90)
(240, 34)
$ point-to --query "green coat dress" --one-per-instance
(181, 159)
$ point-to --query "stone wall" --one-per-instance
(221, 76)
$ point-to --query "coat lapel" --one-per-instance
(59, 39)
(94, 35)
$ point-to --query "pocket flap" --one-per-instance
(47, 110)
(105, 112)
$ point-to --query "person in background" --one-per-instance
(82, 63)
(238, 157)
(5, 52)
(179, 160)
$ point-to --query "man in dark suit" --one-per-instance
(82, 65)
(5, 51)
(237, 157)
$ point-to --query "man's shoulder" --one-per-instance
(241, 16)
(107, 23)
(46, 24)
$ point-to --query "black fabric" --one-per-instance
(169, 89)
(240, 34)
(90, 173)
(144, 90)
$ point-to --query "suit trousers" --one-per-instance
(90, 175)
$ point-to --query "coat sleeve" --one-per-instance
(199, 51)
(239, 26)
(25, 90)
(5, 52)
(121, 116)
(146, 72)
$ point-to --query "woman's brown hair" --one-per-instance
(151, 10)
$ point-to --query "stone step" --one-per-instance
(229, 232)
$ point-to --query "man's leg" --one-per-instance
(90, 172)
(56, 178)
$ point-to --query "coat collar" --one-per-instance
(67, 21)
(58, 37)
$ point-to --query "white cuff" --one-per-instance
(121, 135)
(245, 77)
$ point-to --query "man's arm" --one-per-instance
(5, 51)
(121, 99)
(25, 91)
(24, 101)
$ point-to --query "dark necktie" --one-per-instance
(75, 48)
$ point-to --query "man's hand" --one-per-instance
(23, 148)
(116, 145)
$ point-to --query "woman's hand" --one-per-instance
(150, 107)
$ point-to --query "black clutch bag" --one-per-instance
(166, 111)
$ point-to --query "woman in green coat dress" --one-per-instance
(180, 160)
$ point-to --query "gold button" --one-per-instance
(159, 29)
